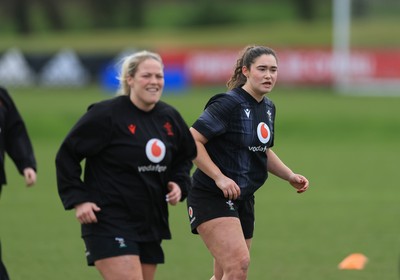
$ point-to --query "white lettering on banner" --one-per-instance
(362, 65)
(310, 66)
(205, 67)
(295, 66)
(320, 67)
(15, 70)
(64, 69)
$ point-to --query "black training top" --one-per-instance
(239, 131)
(130, 155)
(14, 138)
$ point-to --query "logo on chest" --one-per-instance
(155, 150)
(264, 135)
(263, 132)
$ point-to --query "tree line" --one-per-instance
(104, 13)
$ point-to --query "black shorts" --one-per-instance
(101, 247)
(204, 206)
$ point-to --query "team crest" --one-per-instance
(231, 205)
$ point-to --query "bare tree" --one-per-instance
(103, 12)
(20, 11)
(53, 10)
(20, 14)
(359, 8)
(305, 9)
(136, 12)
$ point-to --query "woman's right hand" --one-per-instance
(85, 212)
(203, 161)
(30, 176)
(230, 189)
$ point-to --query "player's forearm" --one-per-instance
(276, 166)
(205, 163)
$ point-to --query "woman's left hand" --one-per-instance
(174, 195)
(299, 182)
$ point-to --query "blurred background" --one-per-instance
(337, 123)
(340, 43)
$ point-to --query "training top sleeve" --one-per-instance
(17, 142)
(216, 116)
(182, 163)
(88, 136)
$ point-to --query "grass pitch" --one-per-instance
(347, 146)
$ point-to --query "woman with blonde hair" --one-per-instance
(138, 153)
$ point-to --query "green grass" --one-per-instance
(275, 34)
(347, 146)
(272, 23)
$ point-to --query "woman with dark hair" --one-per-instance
(234, 136)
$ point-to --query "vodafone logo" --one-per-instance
(155, 150)
(263, 132)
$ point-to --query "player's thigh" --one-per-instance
(127, 267)
(224, 238)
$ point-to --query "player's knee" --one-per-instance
(244, 263)
(238, 268)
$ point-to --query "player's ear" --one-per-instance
(245, 71)
(129, 80)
